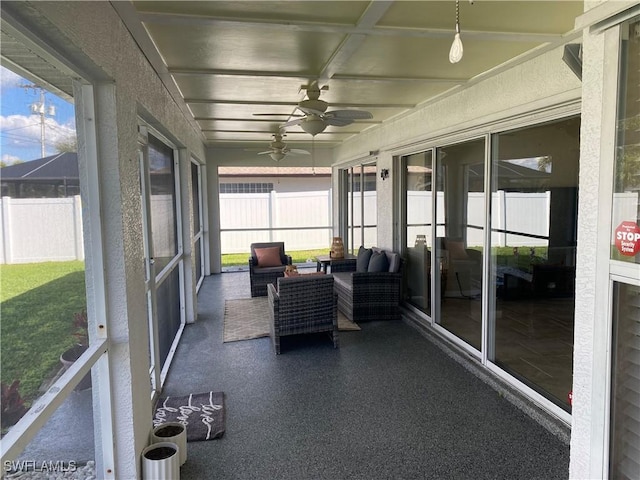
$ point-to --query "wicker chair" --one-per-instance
(260, 277)
(303, 304)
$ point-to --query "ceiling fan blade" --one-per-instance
(277, 115)
(292, 123)
(298, 151)
(352, 114)
(265, 153)
(338, 122)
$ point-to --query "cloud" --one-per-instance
(21, 130)
(8, 79)
(8, 159)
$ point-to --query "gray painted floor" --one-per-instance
(388, 404)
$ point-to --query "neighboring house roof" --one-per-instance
(61, 165)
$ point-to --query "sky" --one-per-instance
(20, 129)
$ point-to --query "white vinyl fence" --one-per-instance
(300, 219)
(41, 230)
(526, 213)
(50, 229)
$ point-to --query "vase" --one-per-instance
(337, 248)
(174, 432)
(161, 461)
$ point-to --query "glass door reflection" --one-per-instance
(534, 213)
(460, 216)
(418, 175)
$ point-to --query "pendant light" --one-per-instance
(455, 54)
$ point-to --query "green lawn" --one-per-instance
(37, 303)
(299, 256)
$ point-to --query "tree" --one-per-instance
(67, 144)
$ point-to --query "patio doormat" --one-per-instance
(247, 318)
(202, 413)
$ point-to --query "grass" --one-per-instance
(299, 256)
(37, 303)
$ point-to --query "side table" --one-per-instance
(324, 261)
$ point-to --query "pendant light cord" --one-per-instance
(457, 16)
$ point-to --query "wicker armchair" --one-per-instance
(260, 277)
(303, 304)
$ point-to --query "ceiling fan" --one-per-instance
(316, 117)
(278, 149)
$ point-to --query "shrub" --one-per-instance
(13, 407)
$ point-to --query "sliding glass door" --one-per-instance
(505, 295)
(534, 214)
(460, 239)
(418, 178)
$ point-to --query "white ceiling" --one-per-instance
(230, 60)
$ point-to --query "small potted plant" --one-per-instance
(13, 405)
(69, 356)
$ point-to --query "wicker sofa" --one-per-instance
(302, 304)
(261, 276)
(365, 294)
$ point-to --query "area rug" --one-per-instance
(247, 318)
(202, 413)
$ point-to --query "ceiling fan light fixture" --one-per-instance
(456, 51)
(277, 156)
(313, 125)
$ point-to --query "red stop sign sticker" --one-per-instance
(628, 238)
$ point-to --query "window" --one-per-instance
(625, 421)
(362, 209)
(626, 197)
(624, 455)
(246, 187)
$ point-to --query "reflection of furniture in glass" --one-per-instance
(553, 280)
(260, 277)
(303, 304)
(418, 276)
(346, 262)
(461, 269)
(545, 281)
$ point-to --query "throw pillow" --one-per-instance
(378, 262)
(362, 262)
(268, 257)
(394, 262)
